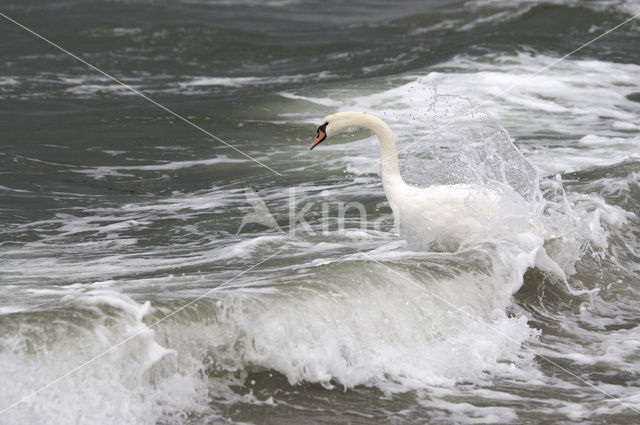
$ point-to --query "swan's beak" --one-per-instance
(318, 140)
(322, 134)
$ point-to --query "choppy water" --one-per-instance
(115, 213)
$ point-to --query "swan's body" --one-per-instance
(441, 216)
(438, 216)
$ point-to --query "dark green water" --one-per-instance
(115, 213)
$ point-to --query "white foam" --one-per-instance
(210, 81)
(125, 385)
(628, 6)
(121, 170)
(10, 189)
(625, 126)
(9, 81)
(261, 3)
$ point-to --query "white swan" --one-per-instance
(436, 217)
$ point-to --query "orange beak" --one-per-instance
(321, 136)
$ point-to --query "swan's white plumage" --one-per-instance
(442, 216)
(438, 216)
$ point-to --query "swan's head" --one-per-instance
(338, 122)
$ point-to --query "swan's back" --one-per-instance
(442, 216)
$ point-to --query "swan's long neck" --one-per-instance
(389, 169)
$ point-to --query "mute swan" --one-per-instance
(438, 217)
